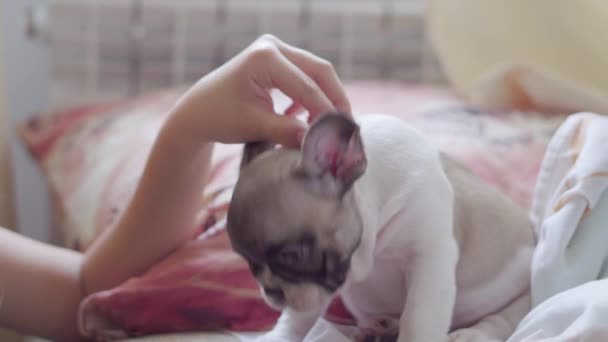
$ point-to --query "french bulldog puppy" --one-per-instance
(414, 243)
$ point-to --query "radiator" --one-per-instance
(110, 49)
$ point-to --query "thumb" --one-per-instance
(284, 130)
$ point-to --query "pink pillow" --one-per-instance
(93, 157)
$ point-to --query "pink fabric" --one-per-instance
(186, 291)
(94, 156)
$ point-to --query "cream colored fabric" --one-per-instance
(561, 42)
(570, 212)
(570, 208)
(192, 337)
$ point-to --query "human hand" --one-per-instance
(232, 104)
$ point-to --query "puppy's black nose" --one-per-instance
(275, 292)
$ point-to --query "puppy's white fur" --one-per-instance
(439, 250)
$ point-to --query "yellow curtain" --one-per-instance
(568, 38)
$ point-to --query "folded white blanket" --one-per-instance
(570, 212)
(578, 314)
(570, 221)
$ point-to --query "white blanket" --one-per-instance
(323, 331)
(578, 314)
(570, 211)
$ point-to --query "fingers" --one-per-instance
(320, 78)
(294, 109)
(310, 81)
(319, 70)
(284, 130)
(296, 84)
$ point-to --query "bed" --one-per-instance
(117, 66)
(205, 279)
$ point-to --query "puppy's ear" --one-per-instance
(252, 150)
(333, 157)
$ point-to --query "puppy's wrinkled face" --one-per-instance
(293, 216)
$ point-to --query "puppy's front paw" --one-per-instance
(470, 335)
(381, 329)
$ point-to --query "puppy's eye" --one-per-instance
(255, 268)
(293, 255)
(275, 293)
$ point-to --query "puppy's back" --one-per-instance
(491, 229)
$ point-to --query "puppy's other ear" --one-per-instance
(252, 150)
(333, 157)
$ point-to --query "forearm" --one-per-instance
(161, 215)
(41, 287)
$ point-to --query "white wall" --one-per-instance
(26, 74)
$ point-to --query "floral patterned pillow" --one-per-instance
(93, 157)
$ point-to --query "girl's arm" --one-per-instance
(40, 284)
(39, 287)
